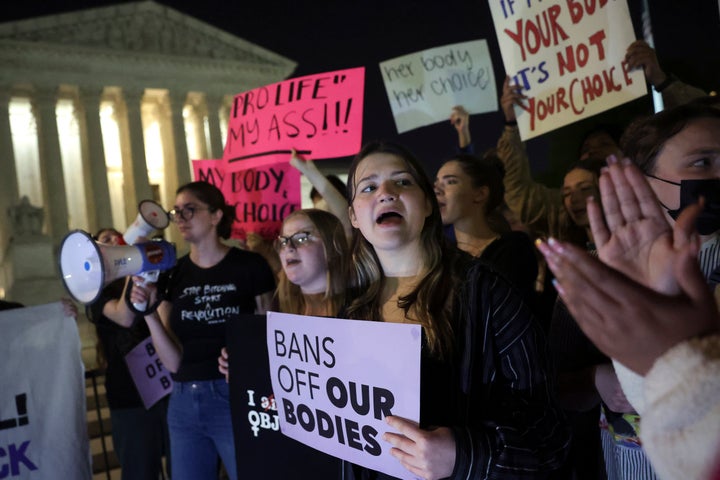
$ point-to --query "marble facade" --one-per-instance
(164, 82)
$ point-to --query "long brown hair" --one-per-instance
(330, 231)
(429, 300)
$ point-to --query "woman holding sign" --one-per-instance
(210, 286)
(485, 405)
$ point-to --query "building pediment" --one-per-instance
(146, 27)
(141, 44)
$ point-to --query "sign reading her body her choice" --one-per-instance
(318, 115)
(334, 382)
(568, 55)
(423, 86)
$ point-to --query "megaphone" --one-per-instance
(87, 267)
(151, 216)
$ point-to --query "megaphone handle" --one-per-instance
(141, 308)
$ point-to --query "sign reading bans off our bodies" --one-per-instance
(263, 194)
(335, 381)
(568, 56)
(422, 87)
(318, 115)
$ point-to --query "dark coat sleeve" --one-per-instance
(513, 426)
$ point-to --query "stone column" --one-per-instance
(51, 169)
(213, 102)
(8, 182)
(138, 181)
(97, 190)
(182, 160)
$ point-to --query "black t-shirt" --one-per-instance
(203, 299)
(116, 342)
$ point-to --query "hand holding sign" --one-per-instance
(426, 453)
(641, 55)
(460, 119)
(512, 95)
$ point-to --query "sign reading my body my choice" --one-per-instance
(568, 56)
(263, 195)
(422, 87)
(335, 381)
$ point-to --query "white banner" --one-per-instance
(423, 87)
(568, 55)
(336, 380)
(43, 431)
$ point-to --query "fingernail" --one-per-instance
(611, 159)
(558, 287)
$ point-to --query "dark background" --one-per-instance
(325, 35)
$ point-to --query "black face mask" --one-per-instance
(690, 192)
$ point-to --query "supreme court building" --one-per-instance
(103, 108)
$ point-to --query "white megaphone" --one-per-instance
(86, 267)
(151, 216)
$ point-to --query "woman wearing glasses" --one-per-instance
(210, 286)
(314, 255)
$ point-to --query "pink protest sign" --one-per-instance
(263, 193)
(319, 115)
(336, 380)
(151, 379)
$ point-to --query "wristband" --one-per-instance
(511, 123)
(665, 83)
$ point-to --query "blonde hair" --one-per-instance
(330, 231)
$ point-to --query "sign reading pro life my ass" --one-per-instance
(568, 56)
(336, 380)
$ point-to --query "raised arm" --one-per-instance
(538, 206)
(336, 201)
(460, 120)
(674, 92)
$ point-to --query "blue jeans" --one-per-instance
(200, 430)
(140, 438)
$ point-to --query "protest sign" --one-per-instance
(151, 379)
(568, 56)
(423, 87)
(43, 431)
(254, 412)
(319, 115)
(336, 380)
(262, 195)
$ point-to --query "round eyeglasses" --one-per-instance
(295, 240)
(185, 213)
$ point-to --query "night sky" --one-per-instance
(325, 35)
